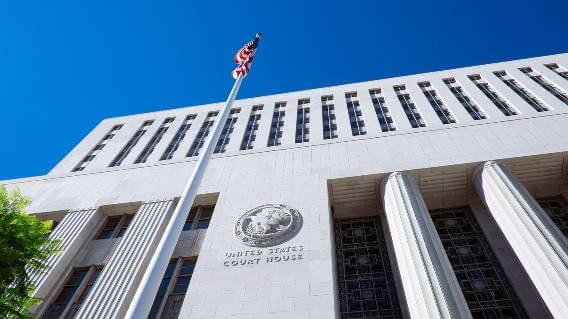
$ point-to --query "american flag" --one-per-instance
(244, 58)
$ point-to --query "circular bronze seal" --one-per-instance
(268, 225)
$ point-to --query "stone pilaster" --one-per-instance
(72, 232)
(120, 277)
(535, 239)
(431, 289)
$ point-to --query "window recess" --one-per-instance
(382, 111)
(410, 109)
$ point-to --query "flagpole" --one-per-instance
(146, 292)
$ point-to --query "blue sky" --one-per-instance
(66, 65)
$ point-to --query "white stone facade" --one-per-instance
(326, 180)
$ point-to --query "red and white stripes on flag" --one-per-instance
(244, 58)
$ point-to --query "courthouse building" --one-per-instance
(437, 195)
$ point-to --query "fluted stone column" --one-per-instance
(535, 239)
(430, 286)
(72, 232)
(117, 283)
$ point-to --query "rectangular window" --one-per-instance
(465, 101)
(303, 121)
(131, 143)
(558, 70)
(441, 110)
(115, 226)
(409, 108)
(557, 210)
(90, 283)
(202, 134)
(73, 293)
(365, 279)
(540, 80)
(328, 117)
(521, 91)
(275, 137)
(188, 225)
(180, 135)
(485, 286)
(91, 155)
(355, 114)
(198, 217)
(154, 141)
(252, 128)
(492, 95)
(225, 136)
(382, 111)
(172, 289)
(126, 220)
(157, 305)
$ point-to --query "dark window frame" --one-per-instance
(79, 292)
(159, 310)
(118, 229)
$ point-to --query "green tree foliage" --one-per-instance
(24, 246)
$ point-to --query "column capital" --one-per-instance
(392, 175)
(490, 163)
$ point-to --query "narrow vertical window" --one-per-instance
(441, 110)
(465, 101)
(558, 70)
(275, 137)
(157, 306)
(485, 286)
(91, 155)
(83, 295)
(545, 84)
(252, 127)
(74, 291)
(225, 136)
(154, 141)
(172, 289)
(521, 91)
(409, 108)
(382, 111)
(492, 95)
(114, 226)
(303, 121)
(328, 117)
(365, 279)
(202, 134)
(355, 114)
(131, 143)
(198, 218)
(180, 135)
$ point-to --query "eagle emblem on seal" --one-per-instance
(268, 225)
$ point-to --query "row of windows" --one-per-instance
(73, 293)
(115, 226)
(92, 153)
(366, 281)
(365, 278)
(167, 303)
(174, 283)
(328, 114)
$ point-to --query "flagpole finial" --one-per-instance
(259, 35)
